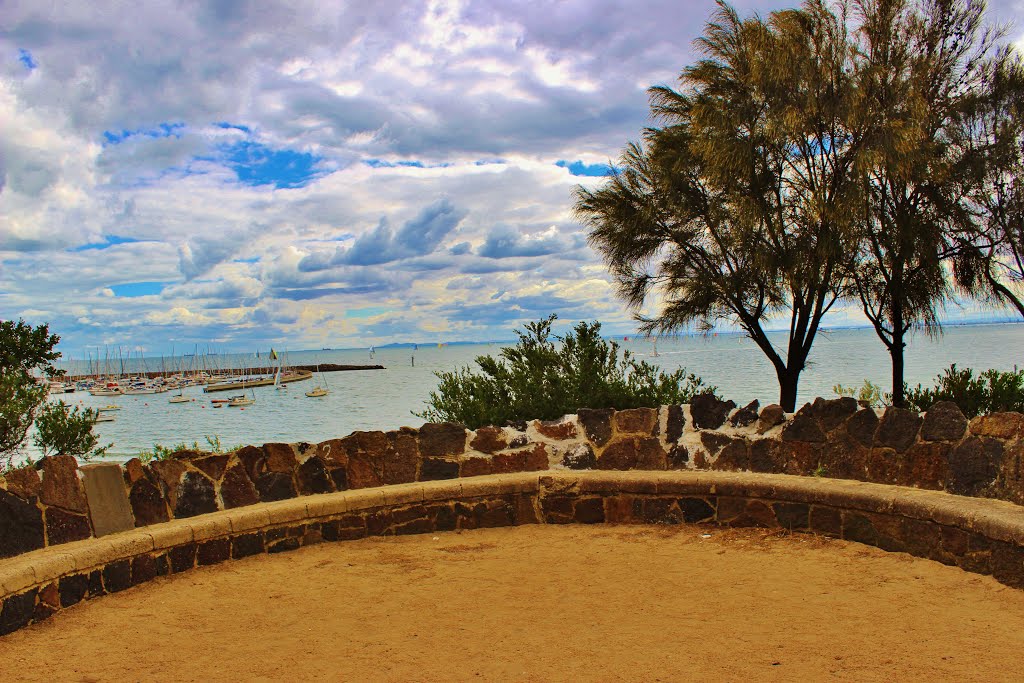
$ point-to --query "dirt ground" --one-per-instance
(544, 603)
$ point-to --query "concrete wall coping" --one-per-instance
(994, 519)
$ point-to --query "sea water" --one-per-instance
(386, 399)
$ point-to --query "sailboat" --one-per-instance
(319, 391)
(277, 374)
(242, 400)
(180, 398)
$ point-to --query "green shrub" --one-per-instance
(539, 378)
(869, 394)
(65, 430)
(161, 452)
(992, 391)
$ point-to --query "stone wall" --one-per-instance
(938, 450)
(978, 535)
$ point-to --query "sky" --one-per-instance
(240, 175)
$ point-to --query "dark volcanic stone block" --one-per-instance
(236, 489)
(974, 465)
(830, 413)
(61, 486)
(898, 429)
(17, 611)
(745, 415)
(803, 427)
(401, 458)
(195, 496)
(143, 569)
(696, 510)
(24, 482)
(313, 478)
(183, 557)
(1008, 564)
(589, 511)
(580, 457)
(488, 440)
(246, 545)
(432, 469)
(148, 506)
(633, 452)
(944, 421)
(597, 424)
(275, 486)
(676, 422)
(73, 589)
(708, 412)
(437, 440)
(212, 465)
(636, 421)
(213, 551)
(792, 516)
(771, 415)
(117, 576)
(862, 427)
(65, 527)
(96, 588)
(280, 457)
(21, 525)
(826, 520)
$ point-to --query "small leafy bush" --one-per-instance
(869, 394)
(545, 376)
(161, 452)
(65, 430)
(992, 391)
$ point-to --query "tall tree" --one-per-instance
(25, 350)
(738, 209)
(920, 68)
(989, 263)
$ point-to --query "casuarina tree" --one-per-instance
(738, 208)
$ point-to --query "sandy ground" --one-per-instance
(544, 603)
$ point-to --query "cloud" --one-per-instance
(506, 242)
(418, 236)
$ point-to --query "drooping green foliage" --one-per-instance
(992, 391)
(20, 398)
(544, 377)
(25, 350)
(65, 430)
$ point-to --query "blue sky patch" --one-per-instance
(381, 163)
(25, 57)
(256, 164)
(367, 312)
(164, 130)
(233, 126)
(134, 289)
(590, 170)
(252, 259)
(108, 241)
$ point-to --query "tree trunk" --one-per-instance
(789, 378)
(896, 352)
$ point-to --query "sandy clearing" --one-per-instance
(544, 603)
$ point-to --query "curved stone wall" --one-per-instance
(939, 450)
(978, 535)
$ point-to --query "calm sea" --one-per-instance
(386, 399)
